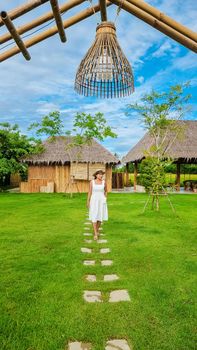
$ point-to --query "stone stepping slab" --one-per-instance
(91, 278)
(102, 241)
(106, 262)
(117, 344)
(88, 240)
(89, 262)
(106, 278)
(86, 250)
(87, 234)
(76, 345)
(105, 250)
(87, 223)
(92, 296)
(112, 277)
(119, 295)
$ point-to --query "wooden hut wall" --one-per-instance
(60, 175)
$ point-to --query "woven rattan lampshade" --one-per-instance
(105, 72)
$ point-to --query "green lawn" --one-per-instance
(42, 279)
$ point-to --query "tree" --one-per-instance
(14, 146)
(50, 125)
(160, 113)
(85, 128)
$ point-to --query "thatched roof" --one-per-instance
(56, 152)
(184, 149)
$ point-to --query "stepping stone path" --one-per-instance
(117, 344)
(110, 278)
(86, 250)
(76, 345)
(88, 240)
(95, 296)
(102, 241)
(119, 295)
(104, 250)
(89, 262)
(106, 262)
(91, 278)
(92, 296)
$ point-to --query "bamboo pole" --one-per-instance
(21, 10)
(40, 20)
(11, 28)
(58, 19)
(53, 30)
(135, 176)
(164, 18)
(103, 10)
(162, 27)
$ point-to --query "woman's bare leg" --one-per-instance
(98, 225)
(94, 224)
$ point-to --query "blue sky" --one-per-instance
(31, 89)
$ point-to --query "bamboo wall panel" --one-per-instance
(41, 172)
(33, 185)
(79, 170)
(15, 179)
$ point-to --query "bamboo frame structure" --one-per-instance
(40, 20)
(138, 8)
(53, 30)
(21, 10)
(58, 19)
(154, 22)
(164, 18)
(11, 28)
(103, 10)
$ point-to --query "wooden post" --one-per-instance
(103, 10)
(178, 176)
(154, 22)
(135, 176)
(58, 19)
(11, 28)
(127, 174)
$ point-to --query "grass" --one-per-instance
(42, 283)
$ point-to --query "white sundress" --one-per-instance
(98, 206)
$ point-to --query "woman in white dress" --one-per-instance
(97, 201)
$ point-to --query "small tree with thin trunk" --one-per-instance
(85, 128)
(160, 113)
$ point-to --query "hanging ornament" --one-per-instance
(105, 72)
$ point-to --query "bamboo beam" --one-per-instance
(53, 30)
(162, 27)
(40, 20)
(127, 174)
(21, 10)
(11, 28)
(58, 19)
(103, 10)
(164, 18)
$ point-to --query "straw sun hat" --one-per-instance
(98, 172)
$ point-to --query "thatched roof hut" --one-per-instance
(183, 150)
(64, 165)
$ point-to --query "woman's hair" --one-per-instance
(98, 172)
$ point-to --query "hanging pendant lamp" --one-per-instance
(105, 72)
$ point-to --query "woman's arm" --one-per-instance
(89, 194)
